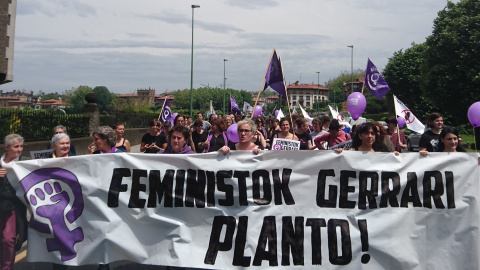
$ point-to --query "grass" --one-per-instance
(468, 139)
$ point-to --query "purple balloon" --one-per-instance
(174, 115)
(257, 111)
(356, 104)
(474, 114)
(232, 133)
(276, 113)
(400, 121)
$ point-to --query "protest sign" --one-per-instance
(345, 145)
(40, 154)
(278, 209)
(285, 144)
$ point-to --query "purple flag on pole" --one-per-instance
(374, 81)
(274, 76)
(234, 106)
(166, 112)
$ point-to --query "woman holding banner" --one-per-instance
(12, 211)
(366, 139)
(177, 141)
(61, 145)
(245, 128)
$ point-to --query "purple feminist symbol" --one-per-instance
(277, 146)
(55, 195)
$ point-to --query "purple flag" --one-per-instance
(374, 81)
(234, 106)
(274, 76)
(166, 112)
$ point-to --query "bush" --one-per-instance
(38, 125)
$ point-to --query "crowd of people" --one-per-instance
(189, 137)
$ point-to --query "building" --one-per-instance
(306, 94)
(50, 104)
(24, 96)
(17, 99)
(357, 86)
(147, 96)
(271, 99)
(8, 10)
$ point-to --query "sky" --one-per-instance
(129, 45)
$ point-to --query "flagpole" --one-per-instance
(286, 94)
(398, 129)
(263, 82)
(160, 114)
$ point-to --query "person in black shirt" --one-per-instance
(199, 136)
(153, 142)
(216, 137)
(303, 135)
(429, 140)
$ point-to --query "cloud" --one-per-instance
(175, 18)
(252, 4)
(55, 8)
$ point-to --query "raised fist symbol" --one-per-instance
(56, 199)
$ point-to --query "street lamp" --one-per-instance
(224, 81)
(351, 46)
(318, 88)
(191, 65)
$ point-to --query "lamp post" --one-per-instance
(224, 82)
(318, 88)
(191, 66)
(351, 46)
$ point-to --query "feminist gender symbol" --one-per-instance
(277, 146)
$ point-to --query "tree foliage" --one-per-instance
(451, 68)
(404, 76)
(442, 74)
(202, 97)
(104, 97)
(77, 100)
(130, 105)
(50, 96)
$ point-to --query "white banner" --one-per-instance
(278, 209)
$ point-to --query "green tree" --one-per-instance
(404, 76)
(203, 96)
(50, 96)
(77, 100)
(130, 105)
(451, 71)
(104, 97)
(344, 77)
